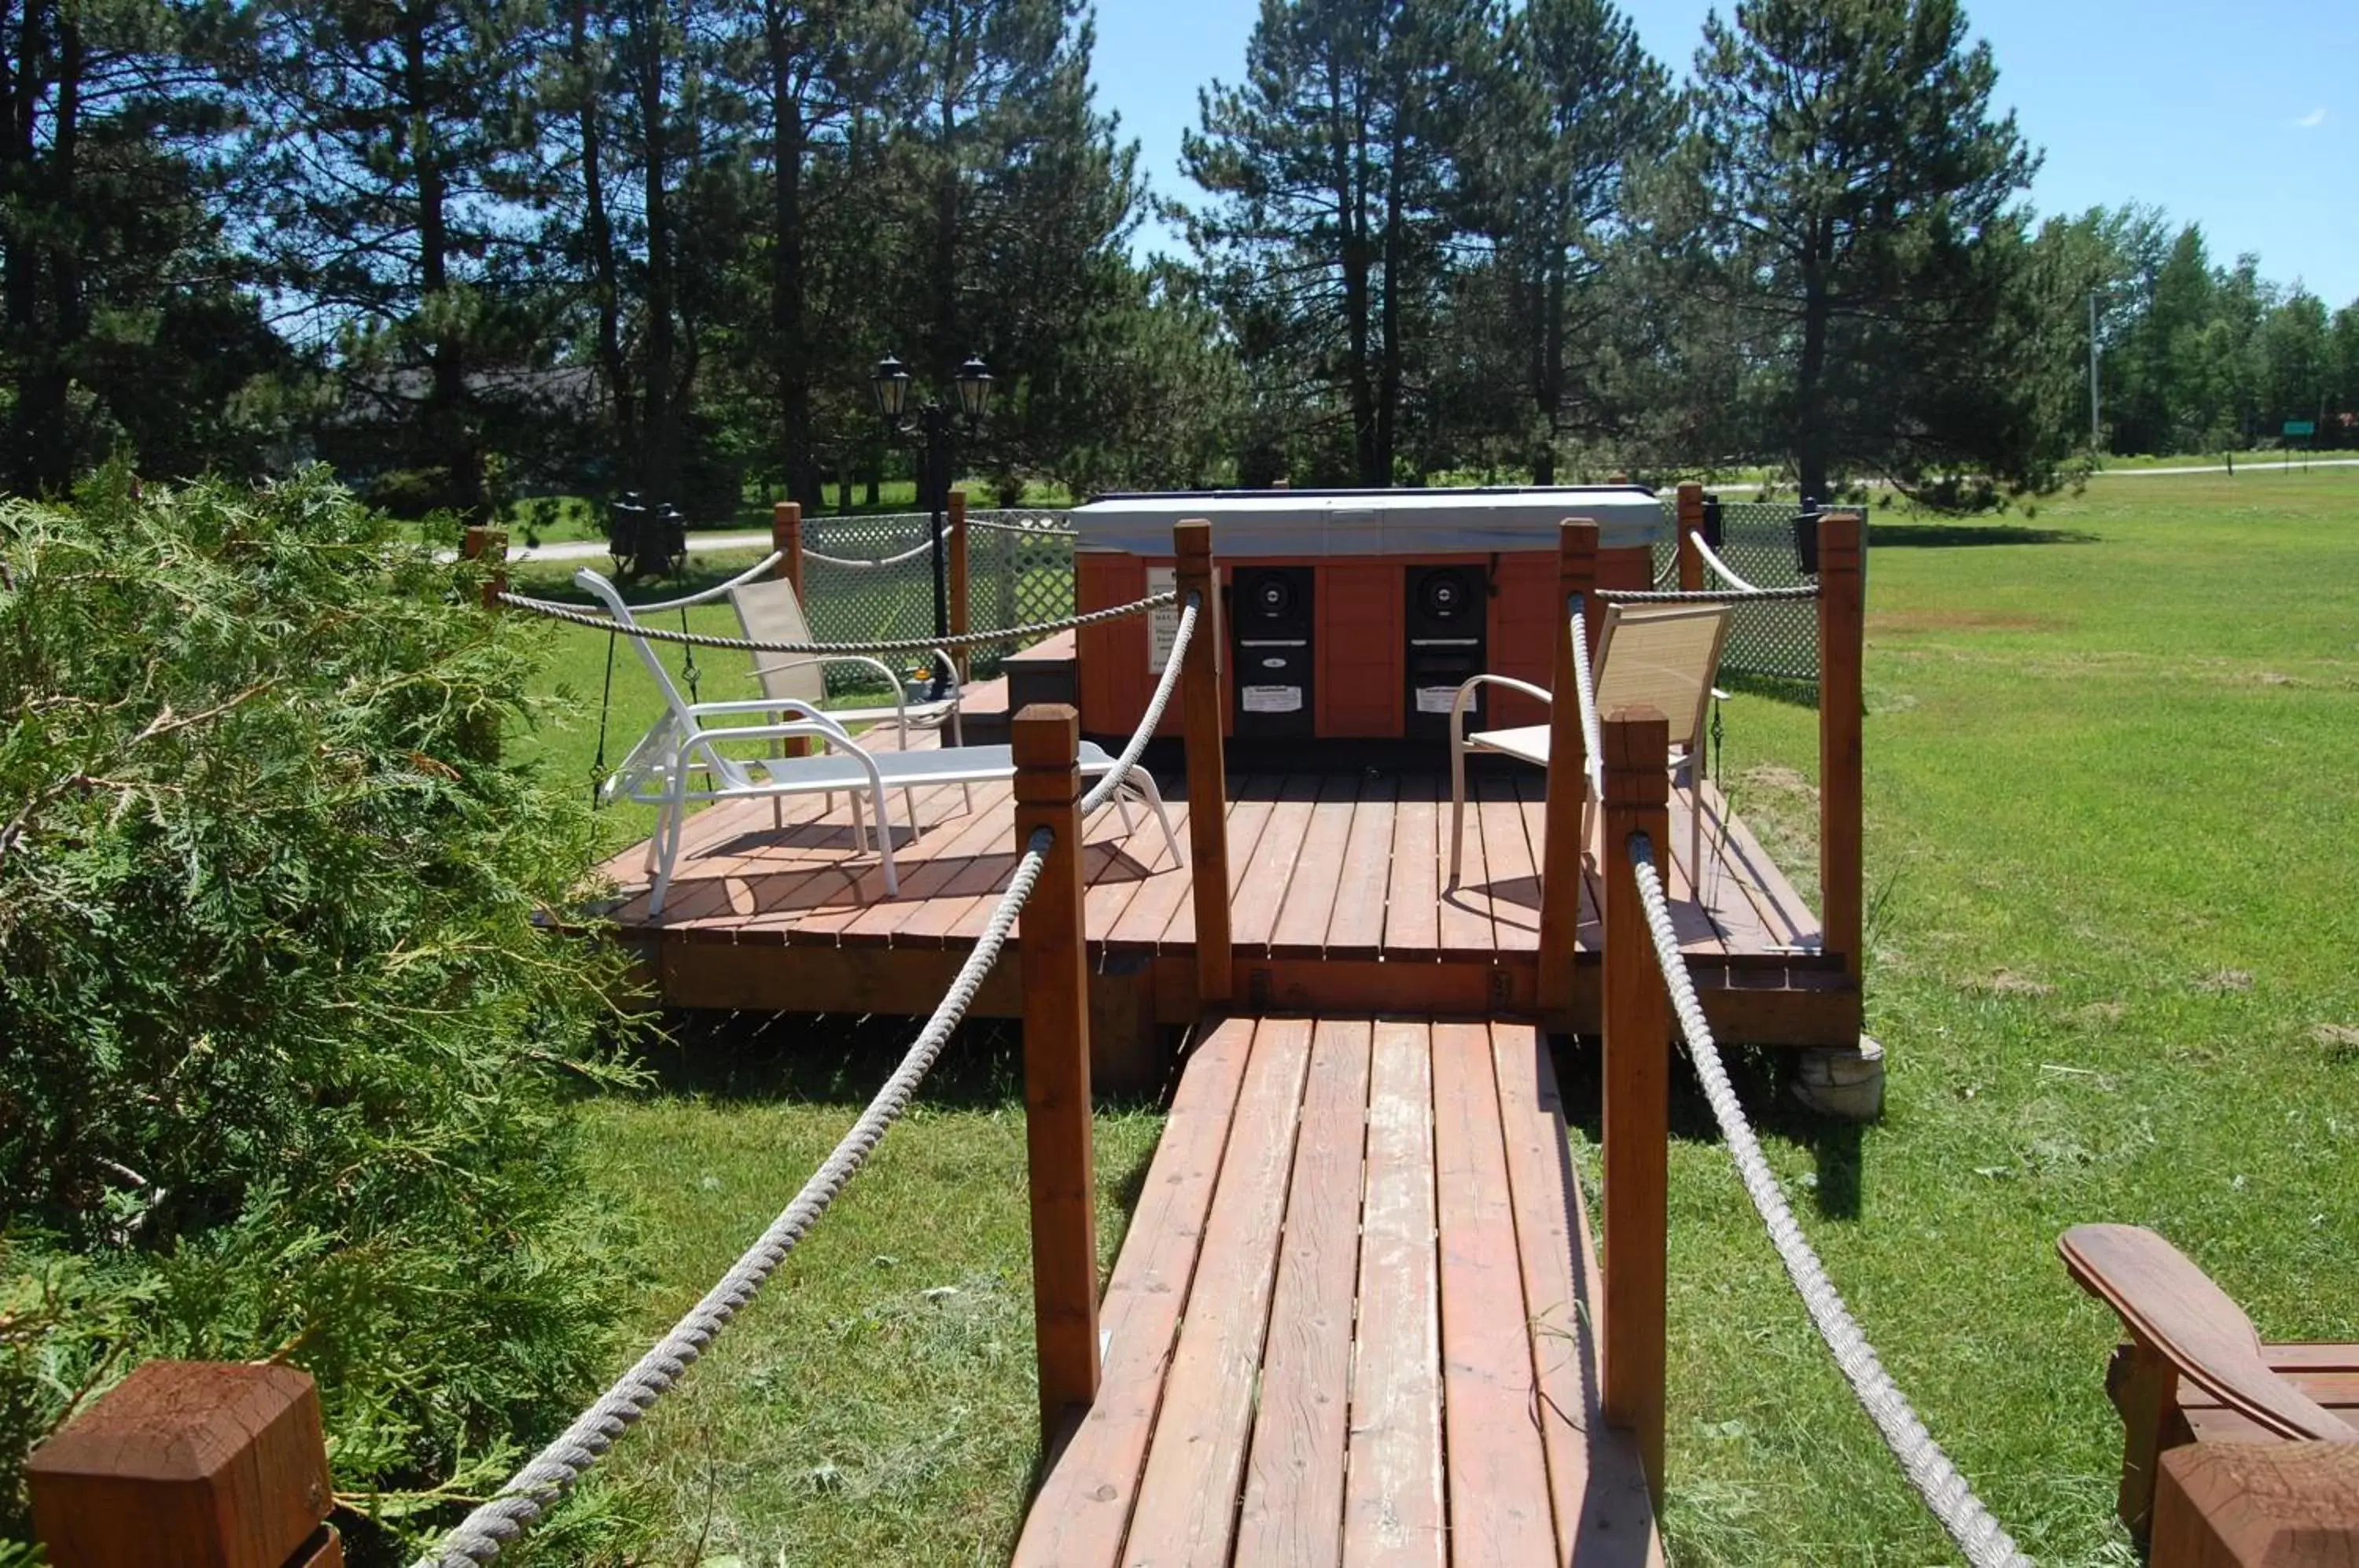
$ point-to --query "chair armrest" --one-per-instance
(2170, 1306)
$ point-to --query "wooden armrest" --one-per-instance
(2172, 1307)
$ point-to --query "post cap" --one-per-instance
(206, 1463)
(1046, 735)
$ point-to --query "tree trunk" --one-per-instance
(1388, 366)
(1350, 174)
(946, 214)
(1809, 422)
(598, 234)
(786, 290)
(658, 467)
(453, 442)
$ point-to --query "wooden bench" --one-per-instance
(2197, 1391)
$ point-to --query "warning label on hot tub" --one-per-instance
(1270, 699)
(1163, 621)
(1436, 698)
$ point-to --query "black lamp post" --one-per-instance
(930, 423)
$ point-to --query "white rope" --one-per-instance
(1106, 786)
(1034, 530)
(1584, 686)
(1720, 566)
(761, 568)
(1945, 1492)
(1705, 596)
(533, 1489)
(575, 616)
(873, 565)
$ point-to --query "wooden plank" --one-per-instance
(1463, 917)
(1085, 1500)
(890, 923)
(1511, 881)
(1188, 1499)
(1129, 866)
(1392, 1503)
(1356, 927)
(1250, 805)
(1309, 903)
(1531, 794)
(1499, 1510)
(1602, 1518)
(1293, 1512)
(1787, 915)
(1269, 872)
(1412, 906)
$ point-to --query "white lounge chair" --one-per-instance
(1661, 656)
(682, 743)
(770, 612)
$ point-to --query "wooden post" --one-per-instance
(1057, 1138)
(787, 539)
(196, 1464)
(481, 543)
(1690, 527)
(1842, 562)
(1567, 778)
(1637, 1089)
(2258, 1505)
(1208, 785)
(2144, 1390)
(960, 625)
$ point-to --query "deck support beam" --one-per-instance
(959, 610)
(1843, 564)
(1567, 778)
(1690, 560)
(1057, 1131)
(1208, 806)
(1637, 1015)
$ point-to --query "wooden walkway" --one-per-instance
(1350, 1322)
(1338, 895)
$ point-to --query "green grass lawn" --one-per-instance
(2110, 764)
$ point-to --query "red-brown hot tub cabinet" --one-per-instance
(1365, 550)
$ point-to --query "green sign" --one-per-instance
(2302, 427)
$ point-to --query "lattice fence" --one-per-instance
(1779, 638)
(1020, 571)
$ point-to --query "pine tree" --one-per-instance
(1335, 185)
(1860, 199)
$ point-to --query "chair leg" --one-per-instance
(1121, 807)
(1457, 811)
(1155, 802)
(884, 847)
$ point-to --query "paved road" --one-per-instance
(2264, 465)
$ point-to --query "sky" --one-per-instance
(2242, 117)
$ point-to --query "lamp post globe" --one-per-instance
(973, 384)
(890, 383)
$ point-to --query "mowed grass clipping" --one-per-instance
(2109, 754)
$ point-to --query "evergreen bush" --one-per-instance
(289, 1044)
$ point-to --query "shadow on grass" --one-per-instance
(1962, 535)
(1758, 1074)
(1783, 689)
(839, 1059)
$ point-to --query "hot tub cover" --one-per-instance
(1261, 523)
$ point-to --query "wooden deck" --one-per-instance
(1350, 1322)
(1339, 900)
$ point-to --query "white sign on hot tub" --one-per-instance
(1163, 621)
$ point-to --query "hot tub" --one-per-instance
(1349, 613)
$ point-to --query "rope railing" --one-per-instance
(1727, 573)
(581, 618)
(1147, 724)
(1029, 530)
(760, 569)
(910, 554)
(1584, 686)
(553, 1472)
(1945, 1492)
(1705, 596)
